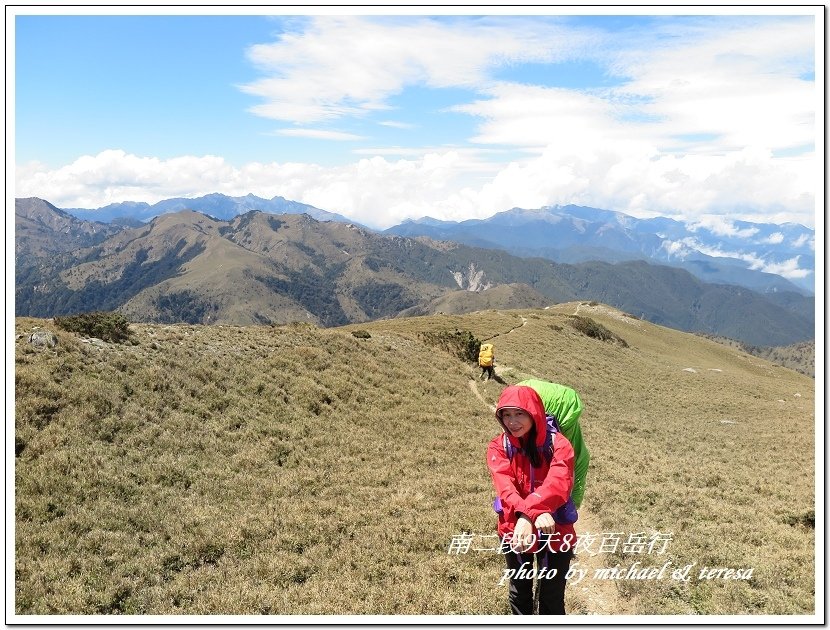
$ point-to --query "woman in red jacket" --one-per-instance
(533, 479)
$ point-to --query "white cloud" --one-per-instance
(635, 179)
(445, 184)
(740, 85)
(346, 66)
(805, 239)
(533, 116)
(381, 193)
(787, 268)
(396, 124)
(721, 226)
(775, 239)
(319, 134)
(675, 249)
(693, 131)
(374, 190)
(113, 176)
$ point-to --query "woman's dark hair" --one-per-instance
(529, 447)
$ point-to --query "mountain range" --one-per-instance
(757, 256)
(733, 254)
(261, 267)
(216, 205)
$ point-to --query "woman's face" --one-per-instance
(517, 421)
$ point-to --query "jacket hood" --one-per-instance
(526, 398)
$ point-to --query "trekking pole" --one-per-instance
(543, 566)
(536, 595)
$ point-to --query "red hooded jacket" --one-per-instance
(512, 476)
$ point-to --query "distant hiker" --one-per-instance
(532, 466)
(487, 360)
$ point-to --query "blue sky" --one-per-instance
(388, 117)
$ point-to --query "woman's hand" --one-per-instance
(545, 523)
(523, 536)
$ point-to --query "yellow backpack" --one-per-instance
(485, 355)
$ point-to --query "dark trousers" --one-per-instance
(551, 590)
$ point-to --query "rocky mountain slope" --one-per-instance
(42, 230)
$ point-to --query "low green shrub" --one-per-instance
(806, 519)
(460, 343)
(105, 325)
(589, 327)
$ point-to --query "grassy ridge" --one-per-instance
(294, 470)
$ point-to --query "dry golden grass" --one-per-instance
(800, 357)
(295, 470)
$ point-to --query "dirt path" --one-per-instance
(588, 596)
(478, 395)
(593, 596)
(507, 332)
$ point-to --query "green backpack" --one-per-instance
(564, 403)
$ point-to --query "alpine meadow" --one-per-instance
(299, 470)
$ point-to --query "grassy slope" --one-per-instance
(249, 470)
(800, 357)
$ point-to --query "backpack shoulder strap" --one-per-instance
(509, 449)
(553, 429)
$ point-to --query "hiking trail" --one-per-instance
(507, 332)
(589, 596)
